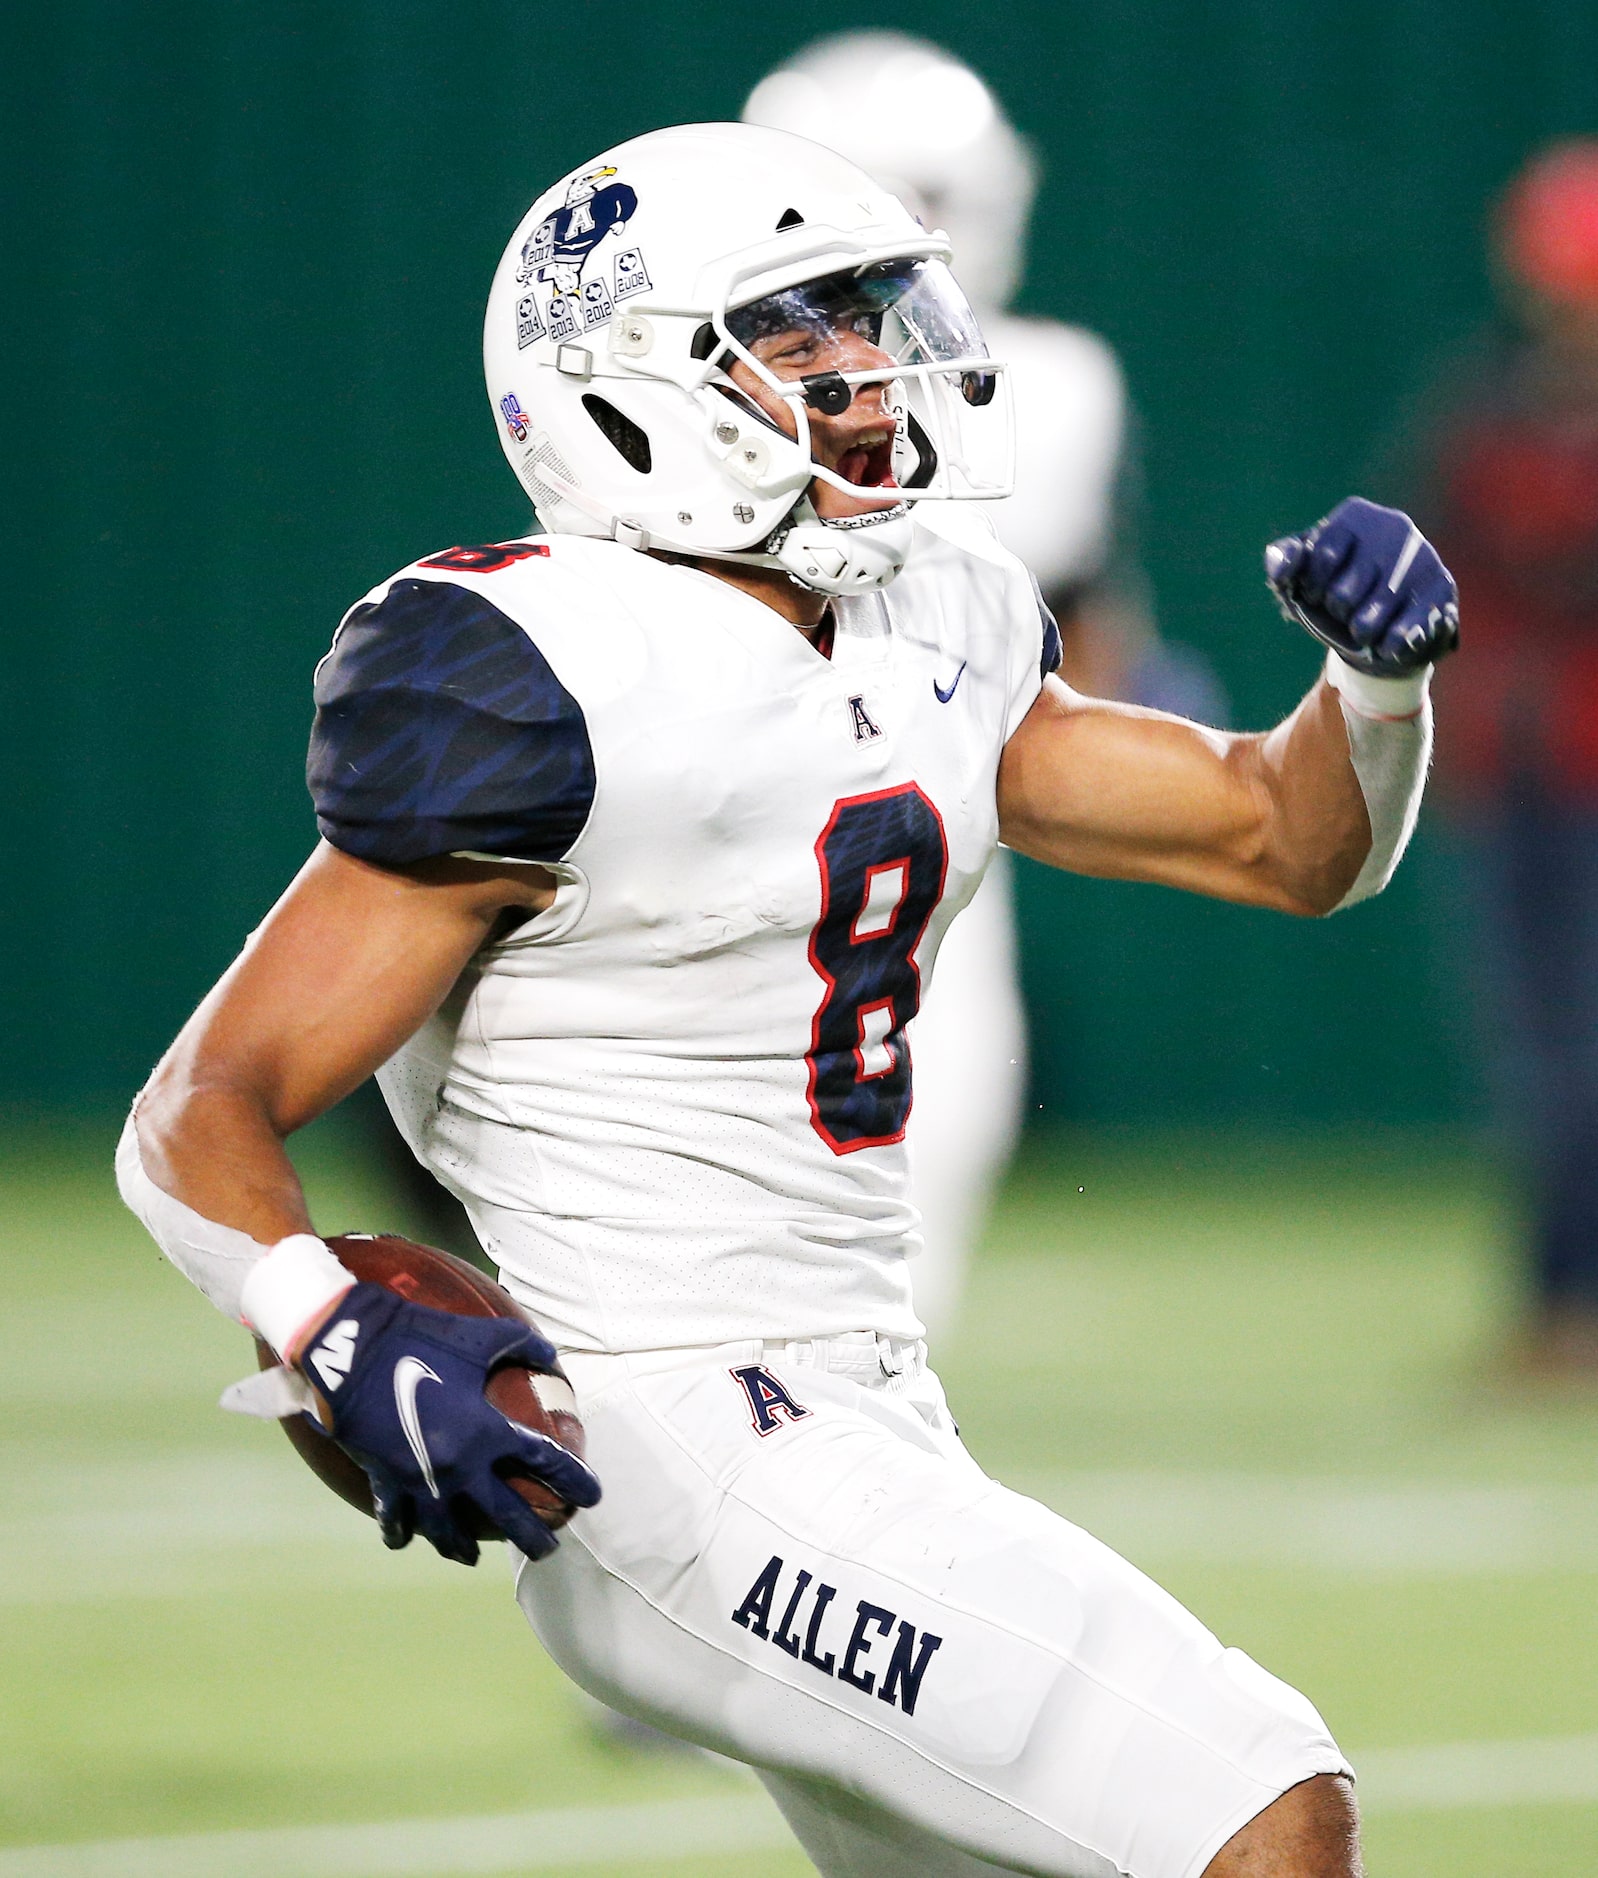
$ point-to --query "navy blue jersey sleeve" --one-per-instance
(440, 727)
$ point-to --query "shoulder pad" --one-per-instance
(440, 728)
(950, 524)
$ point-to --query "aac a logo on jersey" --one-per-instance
(559, 250)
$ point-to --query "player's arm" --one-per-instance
(1128, 794)
(443, 739)
(348, 965)
(1305, 818)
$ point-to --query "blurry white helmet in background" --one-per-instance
(631, 286)
(928, 128)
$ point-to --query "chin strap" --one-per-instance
(853, 554)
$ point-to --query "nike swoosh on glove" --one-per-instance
(1367, 583)
(404, 1385)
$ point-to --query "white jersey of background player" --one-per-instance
(638, 841)
(947, 151)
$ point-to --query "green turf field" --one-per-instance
(1267, 1383)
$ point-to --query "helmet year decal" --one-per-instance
(596, 303)
(631, 274)
(529, 327)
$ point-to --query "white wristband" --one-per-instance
(1374, 696)
(296, 1280)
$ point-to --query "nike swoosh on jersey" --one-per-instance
(410, 1372)
(943, 696)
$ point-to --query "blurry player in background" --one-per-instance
(948, 152)
(640, 839)
(1501, 466)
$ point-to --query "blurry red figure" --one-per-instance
(1508, 489)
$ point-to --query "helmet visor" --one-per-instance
(949, 398)
(852, 301)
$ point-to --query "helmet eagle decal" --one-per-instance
(596, 205)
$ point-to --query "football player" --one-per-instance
(639, 840)
(949, 153)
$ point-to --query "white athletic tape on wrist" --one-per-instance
(1374, 696)
(296, 1281)
(1389, 725)
(218, 1259)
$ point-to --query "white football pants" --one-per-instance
(968, 1046)
(797, 1564)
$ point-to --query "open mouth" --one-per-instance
(869, 464)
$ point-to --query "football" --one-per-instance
(537, 1399)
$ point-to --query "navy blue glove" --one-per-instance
(404, 1385)
(1367, 582)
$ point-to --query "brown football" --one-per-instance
(427, 1276)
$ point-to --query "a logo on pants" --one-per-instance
(767, 1398)
(805, 1616)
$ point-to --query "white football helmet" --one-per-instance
(632, 285)
(927, 128)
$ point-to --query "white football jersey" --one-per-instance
(675, 1102)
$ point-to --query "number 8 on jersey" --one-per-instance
(883, 860)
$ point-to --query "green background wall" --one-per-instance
(247, 248)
